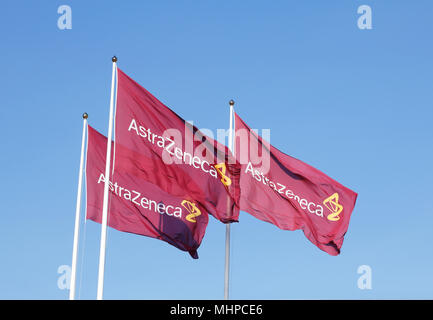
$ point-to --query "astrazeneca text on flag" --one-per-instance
(291, 194)
(139, 207)
(173, 153)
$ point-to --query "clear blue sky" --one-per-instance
(356, 104)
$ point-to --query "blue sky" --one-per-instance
(356, 104)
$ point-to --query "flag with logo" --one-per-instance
(138, 206)
(172, 153)
(289, 193)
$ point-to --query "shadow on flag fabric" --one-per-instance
(289, 193)
(139, 207)
(172, 153)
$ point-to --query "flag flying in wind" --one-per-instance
(139, 207)
(166, 150)
(291, 194)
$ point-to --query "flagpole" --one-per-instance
(77, 214)
(105, 201)
(227, 256)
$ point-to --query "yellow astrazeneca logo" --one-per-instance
(192, 209)
(332, 204)
(221, 168)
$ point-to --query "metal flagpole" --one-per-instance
(77, 214)
(105, 201)
(227, 257)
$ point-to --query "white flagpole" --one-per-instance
(105, 201)
(77, 214)
(227, 257)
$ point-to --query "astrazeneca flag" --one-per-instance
(289, 193)
(139, 207)
(172, 153)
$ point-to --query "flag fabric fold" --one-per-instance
(289, 193)
(138, 206)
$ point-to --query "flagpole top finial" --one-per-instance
(232, 102)
(85, 115)
(114, 59)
